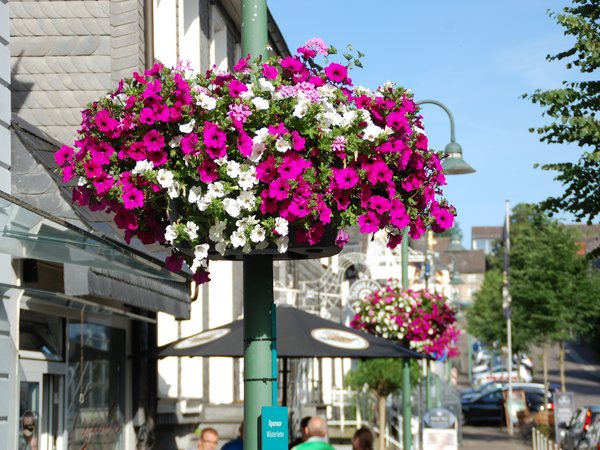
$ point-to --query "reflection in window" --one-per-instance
(41, 333)
(29, 411)
(96, 386)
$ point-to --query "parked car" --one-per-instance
(577, 427)
(500, 374)
(591, 440)
(488, 407)
(469, 394)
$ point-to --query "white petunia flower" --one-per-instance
(206, 101)
(372, 132)
(204, 202)
(187, 127)
(195, 194)
(192, 230)
(246, 200)
(175, 141)
(257, 234)
(266, 85)
(201, 251)
(164, 177)
(260, 103)
(171, 234)
(248, 221)
(281, 226)
(233, 169)
(301, 109)
(282, 145)
(198, 264)
(82, 181)
(145, 165)
(249, 93)
(238, 239)
(282, 244)
(231, 207)
(221, 247)
(247, 180)
(173, 191)
(221, 161)
(215, 232)
(215, 190)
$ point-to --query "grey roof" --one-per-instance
(486, 232)
(36, 182)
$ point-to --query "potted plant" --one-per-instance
(421, 320)
(277, 152)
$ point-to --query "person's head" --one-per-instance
(362, 439)
(317, 427)
(304, 427)
(209, 439)
(28, 423)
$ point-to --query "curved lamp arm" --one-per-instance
(441, 105)
(454, 164)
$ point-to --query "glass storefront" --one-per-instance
(95, 386)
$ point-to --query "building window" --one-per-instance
(96, 386)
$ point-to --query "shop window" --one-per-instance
(96, 386)
(42, 334)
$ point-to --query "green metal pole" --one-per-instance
(470, 357)
(254, 28)
(258, 336)
(406, 388)
(258, 274)
(428, 402)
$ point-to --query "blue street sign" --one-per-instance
(274, 428)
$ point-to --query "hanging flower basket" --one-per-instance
(279, 151)
(421, 320)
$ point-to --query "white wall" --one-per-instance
(9, 304)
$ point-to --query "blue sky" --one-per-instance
(477, 58)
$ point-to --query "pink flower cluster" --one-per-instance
(420, 319)
(279, 146)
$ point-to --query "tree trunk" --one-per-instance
(382, 400)
(563, 381)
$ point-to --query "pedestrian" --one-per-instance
(362, 439)
(317, 435)
(238, 442)
(303, 432)
(209, 439)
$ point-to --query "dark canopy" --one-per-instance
(299, 335)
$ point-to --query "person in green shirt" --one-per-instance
(317, 436)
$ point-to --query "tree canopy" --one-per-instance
(552, 287)
(383, 376)
(573, 110)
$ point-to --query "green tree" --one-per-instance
(383, 376)
(552, 287)
(574, 110)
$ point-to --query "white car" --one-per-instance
(500, 374)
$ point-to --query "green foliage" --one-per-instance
(382, 375)
(553, 289)
(573, 110)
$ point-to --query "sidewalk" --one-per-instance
(491, 438)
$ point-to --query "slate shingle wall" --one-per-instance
(65, 54)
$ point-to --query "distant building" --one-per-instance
(484, 238)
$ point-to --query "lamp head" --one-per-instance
(454, 164)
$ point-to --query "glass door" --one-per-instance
(40, 408)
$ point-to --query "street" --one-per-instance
(582, 371)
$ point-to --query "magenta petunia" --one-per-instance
(64, 155)
(265, 170)
(279, 189)
(236, 88)
(268, 205)
(269, 72)
(189, 144)
(369, 223)
(208, 171)
(336, 72)
(242, 64)
(244, 144)
(125, 219)
(105, 122)
(342, 238)
(378, 172)
(174, 263)
(397, 121)
(154, 141)
(147, 116)
(292, 166)
(213, 136)
(132, 197)
(379, 204)
(345, 178)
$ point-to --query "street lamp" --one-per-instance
(454, 164)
